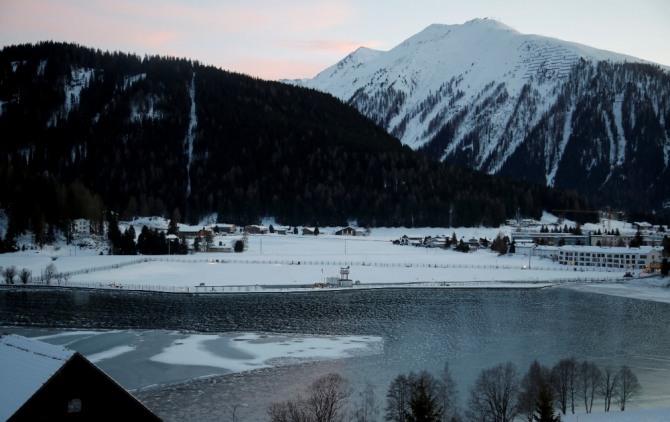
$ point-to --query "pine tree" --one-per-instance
(423, 403)
(544, 406)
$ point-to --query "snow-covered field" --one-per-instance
(295, 261)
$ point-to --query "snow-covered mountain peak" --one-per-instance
(485, 96)
(489, 23)
(364, 54)
(462, 59)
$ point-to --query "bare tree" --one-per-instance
(24, 275)
(233, 416)
(494, 394)
(288, 411)
(367, 408)
(572, 382)
(325, 404)
(50, 273)
(9, 273)
(609, 385)
(62, 278)
(448, 393)
(563, 383)
(397, 399)
(530, 387)
(629, 386)
(588, 380)
(329, 394)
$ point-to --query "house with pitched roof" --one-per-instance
(41, 381)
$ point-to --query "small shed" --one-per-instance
(347, 231)
(282, 230)
(40, 381)
(223, 244)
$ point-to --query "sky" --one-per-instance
(273, 39)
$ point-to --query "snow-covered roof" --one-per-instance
(26, 366)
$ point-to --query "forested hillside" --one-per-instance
(85, 131)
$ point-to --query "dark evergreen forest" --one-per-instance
(85, 132)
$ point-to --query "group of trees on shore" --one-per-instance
(499, 394)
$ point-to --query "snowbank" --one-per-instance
(296, 261)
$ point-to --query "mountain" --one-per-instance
(85, 132)
(483, 96)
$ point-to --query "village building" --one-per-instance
(282, 230)
(256, 229)
(40, 381)
(624, 258)
(222, 244)
(191, 232)
(436, 242)
(611, 240)
(347, 231)
(552, 239)
(224, 228)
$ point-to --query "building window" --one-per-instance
(74, 406)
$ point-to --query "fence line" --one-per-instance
(269, 288)
(324, 263)
(62, 279)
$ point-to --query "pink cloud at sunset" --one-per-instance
(268, 68)
(299, 38)
(328, 46)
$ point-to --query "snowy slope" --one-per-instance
(485, 96)
(463, 57)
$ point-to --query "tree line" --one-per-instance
(499, 394)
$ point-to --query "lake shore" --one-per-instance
(284, 263)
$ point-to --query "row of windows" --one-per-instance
(602, 259)
(604, 265)
(602, 255)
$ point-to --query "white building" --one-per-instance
(595, 256)
(617, 257)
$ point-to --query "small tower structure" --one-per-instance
(344, 277)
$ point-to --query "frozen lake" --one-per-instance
(364, 335)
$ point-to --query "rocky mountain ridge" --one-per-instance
(483, 96)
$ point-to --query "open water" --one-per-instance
(421, 329)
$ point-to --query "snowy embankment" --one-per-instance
(636, 415)
(275, 262)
